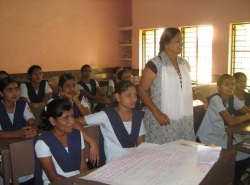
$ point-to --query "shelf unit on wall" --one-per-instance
(125, 43)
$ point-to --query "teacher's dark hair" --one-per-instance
(54, 109)
(167, 36)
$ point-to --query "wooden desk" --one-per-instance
(243, 128)
(5, 152)
(222, 173)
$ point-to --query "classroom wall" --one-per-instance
(170, 13)
(61, 34)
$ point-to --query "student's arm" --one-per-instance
(198, 95)
(234, 120)
(94, 150)
(140, 140)
(22, 133)
(143, 90)
(83, 167)
(83, 110)
(49, 169)
(245, 109)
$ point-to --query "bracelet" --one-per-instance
(93, 147)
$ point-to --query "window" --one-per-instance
(197, 50)
(150, 44)
(240, 49)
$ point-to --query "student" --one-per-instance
(16, 120)
(69, 92)
(59, 153)
(121, 126)
(67, 84)
(240, 84)
(37, 92)
(212, 129)
(89, 87)
(125, 74)
(114, 81)
(3, 74)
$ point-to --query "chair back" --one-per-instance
(37, 112)
(22, 159)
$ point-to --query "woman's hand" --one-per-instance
(202, 98)
(161, 118)
(32, 132)
(23, 132)
(66, 96)
(77, 94)
(94, 155)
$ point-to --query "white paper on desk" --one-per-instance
(150, 164)
(206, 154)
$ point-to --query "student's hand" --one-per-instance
(77, 94)
(66, 96)
(161, 118)
(202, 98)
(105, 98)
(23, 132)
(32, 132)
(94, 155)
(47, 97)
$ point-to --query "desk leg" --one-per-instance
(229, 140)
(6, 166)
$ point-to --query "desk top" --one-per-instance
(243, 128)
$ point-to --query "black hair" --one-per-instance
(55, 109)
(5, 82)
(119, 75)
(84, 66)
(221, 78)
(116, 69)
(167, 35)
(64, 78)
(32, 68)
(239, 74)
(5, 73)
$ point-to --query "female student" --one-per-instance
(37, 92)
(16, 119)
(89, 87)
(212, 128)
(67, 84)
(59, 152)
(124, 74)
(69, 92)
(114, 81)
(240, 86)
(121, 126)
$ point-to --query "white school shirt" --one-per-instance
(112, 146)
(27, 114)
(24, 91)
(42, 150)
(111, 83)
(212, 129)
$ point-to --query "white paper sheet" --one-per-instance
(206, 154)
(151, 164)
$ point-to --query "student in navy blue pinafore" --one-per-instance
(90, 87)
(59, 153)
(122, 126)
(36, 92)
(16, 119)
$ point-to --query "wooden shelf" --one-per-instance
(125, 28)
(128, 59)
(124, 45)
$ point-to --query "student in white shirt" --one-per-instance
(122, 126)
(16, 119)
(59, 152)
(212, 128)
(114, 81)
(37, 91)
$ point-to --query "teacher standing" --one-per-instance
(169, 112)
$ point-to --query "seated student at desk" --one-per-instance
(37, 92)
(89, 87)
(59, 153)
(240, 86)
(212, 128)
(16, 119)
(122, 126)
